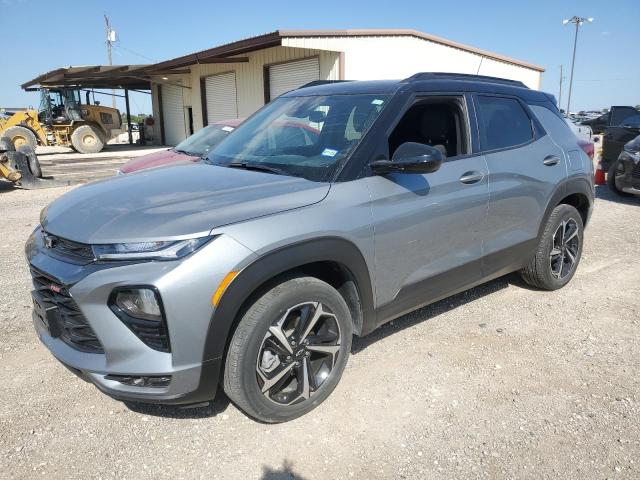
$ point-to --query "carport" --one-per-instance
(91, 79)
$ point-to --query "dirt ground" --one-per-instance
(499, 382)
(66, 167)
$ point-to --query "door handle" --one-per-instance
(471, 177)
(551, 160)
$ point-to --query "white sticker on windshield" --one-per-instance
(329, 152)
(228, 129)
(377, 101)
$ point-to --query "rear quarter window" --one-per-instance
(503, 123)
(555, 126)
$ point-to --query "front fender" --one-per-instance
(274, 263)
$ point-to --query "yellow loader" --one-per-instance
(63, 120)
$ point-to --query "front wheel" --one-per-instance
(20, 136)
(289, 350)
(558, 254)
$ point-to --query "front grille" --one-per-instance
(74, 251)
(76, 331)
(635, 176)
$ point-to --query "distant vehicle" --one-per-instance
(192, 149)
(200, 143)
(583, 132)
(615, 138)
(624, 175)
(63, 120)
(615, 116)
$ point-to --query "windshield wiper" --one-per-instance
(177, 150)
(257, 167)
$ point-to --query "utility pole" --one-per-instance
(560, 91)
(111, 38)
(577, 21)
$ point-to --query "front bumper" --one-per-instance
(629, 180)
(186, 287)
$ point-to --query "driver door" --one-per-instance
(428, 228)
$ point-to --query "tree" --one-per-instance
(134, 118)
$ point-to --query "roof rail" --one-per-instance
(321, 82)
(463, 76)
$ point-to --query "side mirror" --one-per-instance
(410, 157)
(317, 116)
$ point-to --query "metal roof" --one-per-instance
(94, 76)
(138, 76)
(221, 53)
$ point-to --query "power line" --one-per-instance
(609, 80)
(135, 53)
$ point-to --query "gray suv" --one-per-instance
(253, 269)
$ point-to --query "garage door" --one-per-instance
(221, 97)
(289, 76)
(173, 114)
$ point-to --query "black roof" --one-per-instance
(424, 82)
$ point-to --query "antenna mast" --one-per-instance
(111, 38)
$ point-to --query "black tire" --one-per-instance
(21, 136)
(611, 181)
(34, 163)
(241, 383)
(87, 139)
(539, 272)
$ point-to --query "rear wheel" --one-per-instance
(611, 181)
(556, 260)
(289, 350)
(87, 139)
(21, 136)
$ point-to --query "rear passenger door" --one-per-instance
(524, 167)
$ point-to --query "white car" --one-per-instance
(583, 132)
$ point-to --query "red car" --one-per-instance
(190, 149)
(198, 145)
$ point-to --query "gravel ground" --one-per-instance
(499, 382)
(66, 167)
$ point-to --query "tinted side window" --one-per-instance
(503, 123)
(620, 114)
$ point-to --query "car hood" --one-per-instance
(157, 159)
(173, 202)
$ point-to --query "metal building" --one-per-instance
(236, 79)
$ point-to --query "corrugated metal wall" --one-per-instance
(391, 57)
(366, 58)
(250, 76)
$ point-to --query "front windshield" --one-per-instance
(301, 136)
(203, 140)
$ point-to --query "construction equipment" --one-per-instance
(63, 120)
(19, 166)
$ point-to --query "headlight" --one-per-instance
(162, 250)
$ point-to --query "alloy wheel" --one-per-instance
(564, 253)
(298, 353)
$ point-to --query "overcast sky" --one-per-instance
(39, 35)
